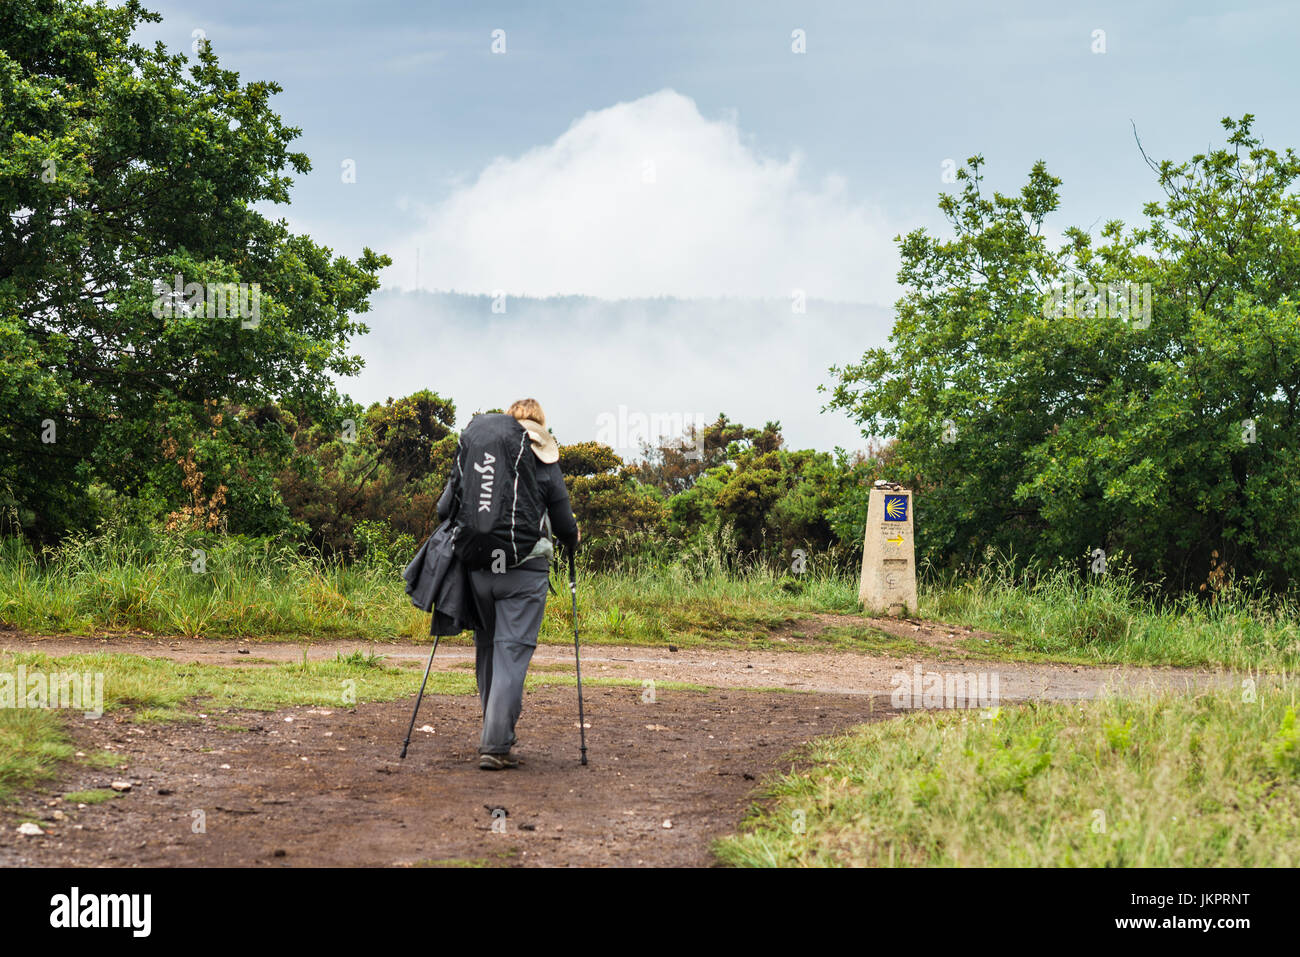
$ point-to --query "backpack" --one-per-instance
(500, 514)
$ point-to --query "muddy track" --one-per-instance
(326, 788)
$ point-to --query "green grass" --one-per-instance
(93, 796)
(257, 589)
(1114, 620)
(651, 605)
(101, 759)
(247, 588)
(260, 590)
(159, 689)
(32, 743)
(870, 641)
(1160, 781)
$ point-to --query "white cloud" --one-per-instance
(650, 198)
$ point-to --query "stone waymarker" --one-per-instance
(888, 583)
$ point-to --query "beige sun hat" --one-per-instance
(544, 445)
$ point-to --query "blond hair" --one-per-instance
(527, 409)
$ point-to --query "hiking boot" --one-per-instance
(497, 762)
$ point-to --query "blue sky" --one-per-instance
(626, 150)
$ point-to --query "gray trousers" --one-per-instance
(511, 605)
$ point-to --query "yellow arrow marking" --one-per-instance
(895, 541)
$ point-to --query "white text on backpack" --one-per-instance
(485, 489)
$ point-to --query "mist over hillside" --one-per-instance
(582, 357)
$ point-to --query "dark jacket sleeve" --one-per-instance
(550, 482)
(448, 497)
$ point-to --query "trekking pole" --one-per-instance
(577, 664)
(427, 668)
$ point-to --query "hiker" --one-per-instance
(509, 589)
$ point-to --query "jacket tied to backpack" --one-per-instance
(439, 581)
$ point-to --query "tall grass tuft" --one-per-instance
(195, 585)
(1114, 618)
(231, 586)
(235, 587)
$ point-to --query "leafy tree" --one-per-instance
(122, 168)
(1049, 432)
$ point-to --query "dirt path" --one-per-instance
(320, 786)
(830, 672)
(326, 788)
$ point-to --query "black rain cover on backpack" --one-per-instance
(500, 513)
